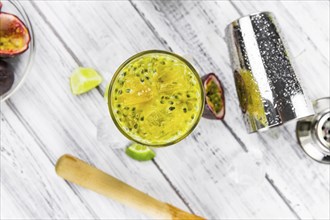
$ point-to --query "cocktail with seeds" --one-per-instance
(156, 98)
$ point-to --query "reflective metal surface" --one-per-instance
(313, 132)
(267, 86)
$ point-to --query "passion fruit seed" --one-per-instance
(171, 108)
(6, 77)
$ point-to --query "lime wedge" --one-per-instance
(84, 79)
(140, 152)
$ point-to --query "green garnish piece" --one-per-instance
(140, 152)
(83, 80)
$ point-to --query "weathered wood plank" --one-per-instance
(207, 168)
(28, 180)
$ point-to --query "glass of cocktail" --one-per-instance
(156, 98)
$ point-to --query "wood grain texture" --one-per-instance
(218, 172)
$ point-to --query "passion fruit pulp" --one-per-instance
(14, 35)
(214, 98)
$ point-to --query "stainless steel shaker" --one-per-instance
(267, 86)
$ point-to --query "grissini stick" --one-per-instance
(87, 176)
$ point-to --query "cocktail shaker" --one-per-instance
(268, 88)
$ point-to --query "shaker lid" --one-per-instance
(313, 132)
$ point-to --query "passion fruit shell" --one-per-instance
(6, 77)
(214, 97)
(14, 35)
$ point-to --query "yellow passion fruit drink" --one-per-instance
(156, 98)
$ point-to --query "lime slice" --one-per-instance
(84, 79)
(140, 152)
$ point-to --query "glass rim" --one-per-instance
(28, 23)
(124, 64)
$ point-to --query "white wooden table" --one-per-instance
(219, 171)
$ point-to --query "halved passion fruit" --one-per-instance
(6, 77)
(215, 100)
(14, 35)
